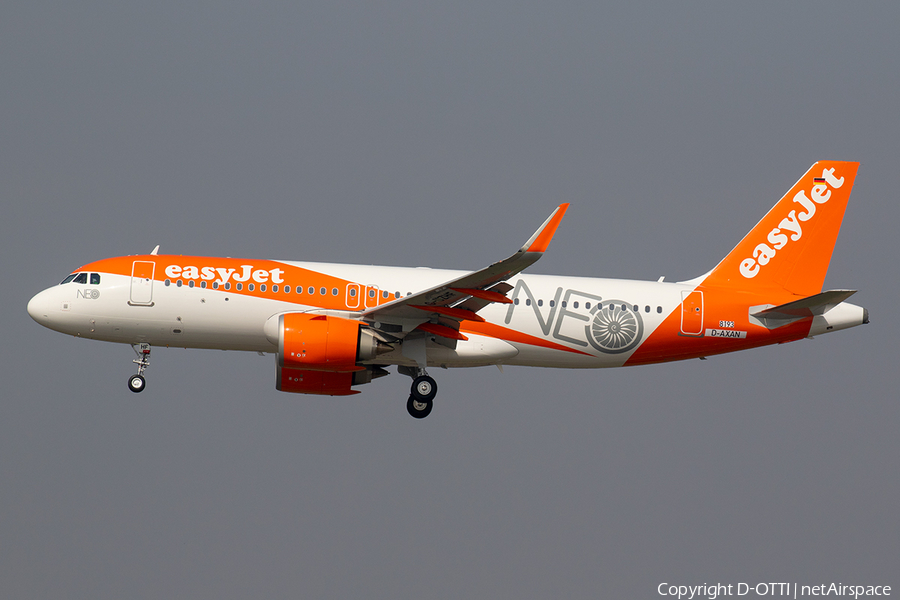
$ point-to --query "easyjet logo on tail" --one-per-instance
(790, 228)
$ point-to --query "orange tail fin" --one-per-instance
(791, 246)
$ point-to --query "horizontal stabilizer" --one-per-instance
(819, 304)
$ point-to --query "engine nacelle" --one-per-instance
(324, 383)
(325, 343)
(301, 381)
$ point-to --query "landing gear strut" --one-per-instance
(137, 383)
(421, 394)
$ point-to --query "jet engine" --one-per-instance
(325, 343)
(318, 354)
(324, 383)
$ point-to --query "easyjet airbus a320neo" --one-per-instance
(335, 326)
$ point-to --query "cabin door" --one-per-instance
(692, 313)
(142, 282)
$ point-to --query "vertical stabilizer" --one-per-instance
(791, 246)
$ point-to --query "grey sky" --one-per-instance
(419, 134)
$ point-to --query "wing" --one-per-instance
(440, 309)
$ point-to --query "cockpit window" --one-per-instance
(81, 278)
(68, 279)
(95, 278)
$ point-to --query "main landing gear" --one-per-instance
(422, 393)
(137, 383)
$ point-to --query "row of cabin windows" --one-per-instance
(587, 305)
(82, 278)
(95, 280)
(285, 289)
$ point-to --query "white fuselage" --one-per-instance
(552, 308)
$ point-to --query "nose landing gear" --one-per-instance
(137, 383)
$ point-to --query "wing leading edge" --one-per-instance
(441, 308)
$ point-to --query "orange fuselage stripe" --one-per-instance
(511, 335)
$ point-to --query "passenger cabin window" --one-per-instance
(68, 279)
(95, 278)
(81, 278)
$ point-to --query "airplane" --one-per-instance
(333, 327)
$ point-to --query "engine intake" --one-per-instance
(325, 343)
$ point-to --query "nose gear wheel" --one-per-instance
(137, 383)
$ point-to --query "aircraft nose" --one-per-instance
(39, 307)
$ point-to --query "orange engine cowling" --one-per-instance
(324, 383)
(301, 381)
(325, 343)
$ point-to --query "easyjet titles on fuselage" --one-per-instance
(209, 274)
